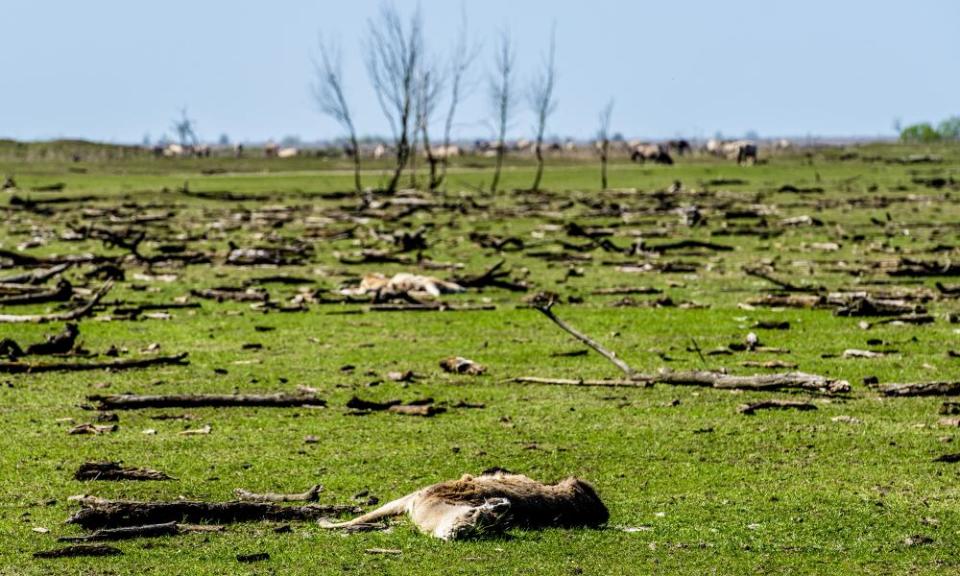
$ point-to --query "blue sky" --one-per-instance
(118, 69)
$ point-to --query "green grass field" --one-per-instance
(693, 486)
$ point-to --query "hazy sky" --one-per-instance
(119, 69)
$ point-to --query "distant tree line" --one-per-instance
(947, 130)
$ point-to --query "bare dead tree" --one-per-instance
(603, 141)
(394, 51)
(543, 103)
(429, 86)
(502, 98)
(464, 54)
(330, 99)
(184, 129)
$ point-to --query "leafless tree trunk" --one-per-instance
(329, 96)
(464, 53)
(184, 129)
(543, 103)
(394, 52)
(428, 91)
(603, 140)
(502, 98)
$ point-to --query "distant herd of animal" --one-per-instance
(744, 152)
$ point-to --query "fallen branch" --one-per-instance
(719, 380)
(79, 550)
(101, 513)
(127, 364)
(59, 293)
(543, 302)
(36, 276)
(136, 402)
(750, 409)
(116, 471)
(126, 533)
(579, 382)
(74, 314)
(310, 495)
(798, 380)
(439, 307)
(921, 389)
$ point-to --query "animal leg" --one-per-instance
(397, 507)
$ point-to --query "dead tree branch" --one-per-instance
(60, 316)
(543, 103)
(328, 93)
(394, 51)
(127, 364)
(136, 402)
(544, 302)
(101, 513)
(502, 98)
(603, 141)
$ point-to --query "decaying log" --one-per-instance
(311, 495)
(36, 276)
(425, 410)
(126, 533)
(866, 306)
(136, 402)
(789, 301)
(355, 403)
(579, 382)
(232, 294)
(125, 364)
(79, 550)
(116, 471)
(782, 381)
(431, 307)
(59, 293)
(60, 316)
(100, 513)
(56, 343)
(687, 244)
(749, 409)
(921, 389)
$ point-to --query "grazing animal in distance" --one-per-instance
(747, 152)
(656, 153)
(490, 503)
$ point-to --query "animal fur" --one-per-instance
(490, 503)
